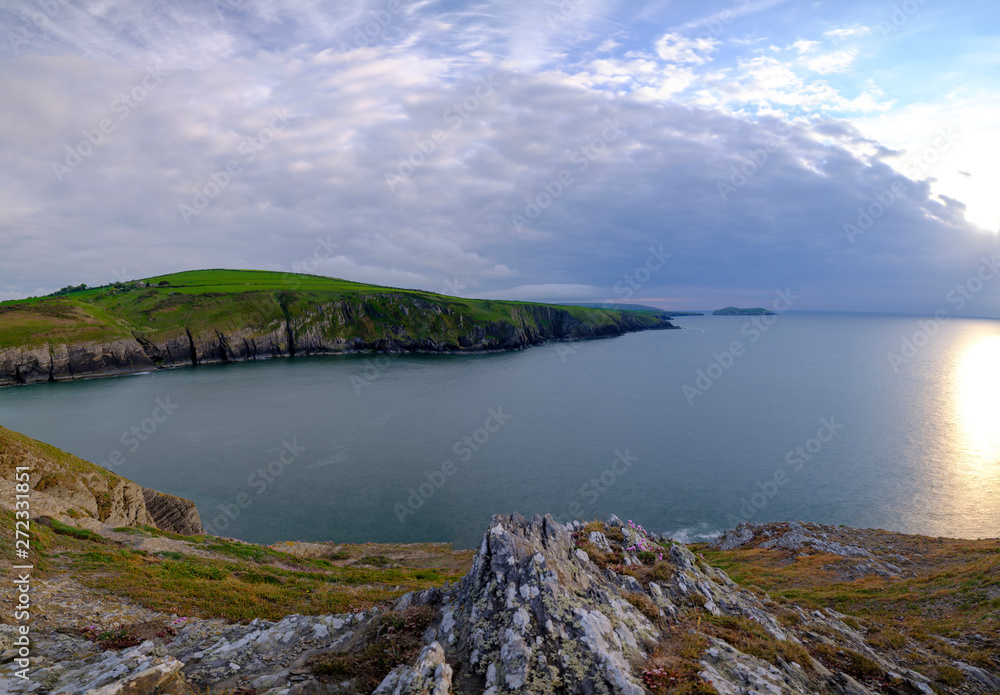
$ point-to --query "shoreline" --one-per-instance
(449, 350)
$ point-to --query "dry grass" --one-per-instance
(672, 666)
(952, 591)
(239, 582)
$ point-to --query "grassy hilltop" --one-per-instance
(200, 299)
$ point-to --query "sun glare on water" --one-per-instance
(977, 401)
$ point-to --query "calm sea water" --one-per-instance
(806, 420)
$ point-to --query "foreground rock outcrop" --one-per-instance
(546, 608)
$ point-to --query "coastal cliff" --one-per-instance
(78, 492)
(112, 331)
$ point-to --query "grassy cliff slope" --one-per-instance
(231, 315)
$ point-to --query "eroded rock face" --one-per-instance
(170, 513)
(534, 616)
(80, 493)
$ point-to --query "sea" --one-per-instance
(858, 419)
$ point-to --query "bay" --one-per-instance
(809, 418)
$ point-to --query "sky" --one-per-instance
(686, 155)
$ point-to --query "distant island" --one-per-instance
(734, 311)
(206, 316)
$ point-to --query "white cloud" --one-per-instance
(828, 63)
(675, 48)
(849, 31)
(803, 46)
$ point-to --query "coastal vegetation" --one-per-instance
(230, 315)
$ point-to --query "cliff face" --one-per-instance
(81, 493)
(284, 324)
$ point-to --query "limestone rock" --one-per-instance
(431, 675)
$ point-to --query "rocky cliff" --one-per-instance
(546, 608)
(260, 325)
(80, 493)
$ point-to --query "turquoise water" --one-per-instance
(419, 448)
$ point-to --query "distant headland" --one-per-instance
(734, 311)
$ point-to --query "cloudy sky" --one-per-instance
(681, 154)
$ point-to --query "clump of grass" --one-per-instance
(243, 551)
(120, 637)
(849, 661)
(643, 604)
(81, 533)
(672, 667)
(883, 637)
(375, 561)
(111, 638)
(789, 618)
(396, 640)
(851, 622)
(170, 555)
(658, 571)
(258, 577)
(750, 637)
(950, 675)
